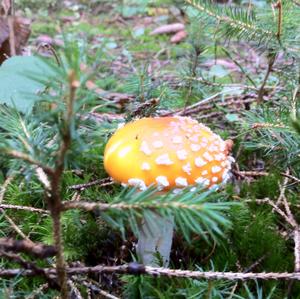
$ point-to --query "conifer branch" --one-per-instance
(54, 198)
(192, 211)
(27, 158)
(23, 208)
(261, 91)
(237, 24)
(139, 269)
(279, 22)
(30, 266)
(90, 206)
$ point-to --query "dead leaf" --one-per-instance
(178, 37)
(170, 28)
(21, 35)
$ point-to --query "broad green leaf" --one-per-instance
(18, 88)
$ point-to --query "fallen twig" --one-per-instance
(250, 173)
(209, 103)
(31, 266)
(138, 269)
(296, 180)
(14, 226)
(100, 182)
(23, 208)
(38, 250)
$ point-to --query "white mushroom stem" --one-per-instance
(155, 240)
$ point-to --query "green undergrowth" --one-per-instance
(253, 237)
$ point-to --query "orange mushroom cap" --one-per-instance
(169, 152)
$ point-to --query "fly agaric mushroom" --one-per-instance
(169, 152)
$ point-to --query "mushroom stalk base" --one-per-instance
(155, 240)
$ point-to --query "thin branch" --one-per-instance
(251, 267)
(54, 197)
(6, 183)
(14, 226)
(251, 173)
(296, 180)
(256, 263)
(261, 90)
(268, 126)
(275, 208)
(183, 111)
(296, 233)
(279, 20)
(138, 269)
(266, 201)
(289, 212)
(24, 208)
(37, 250)
(240, 67)
(288, 217)
(100, 182)
(22, 156)
(12, 37)
(209, 116)
(30, 266)
(282, 190)
(76, 196)
(297, 249)
(90, 206)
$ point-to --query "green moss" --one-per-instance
(265, 186)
